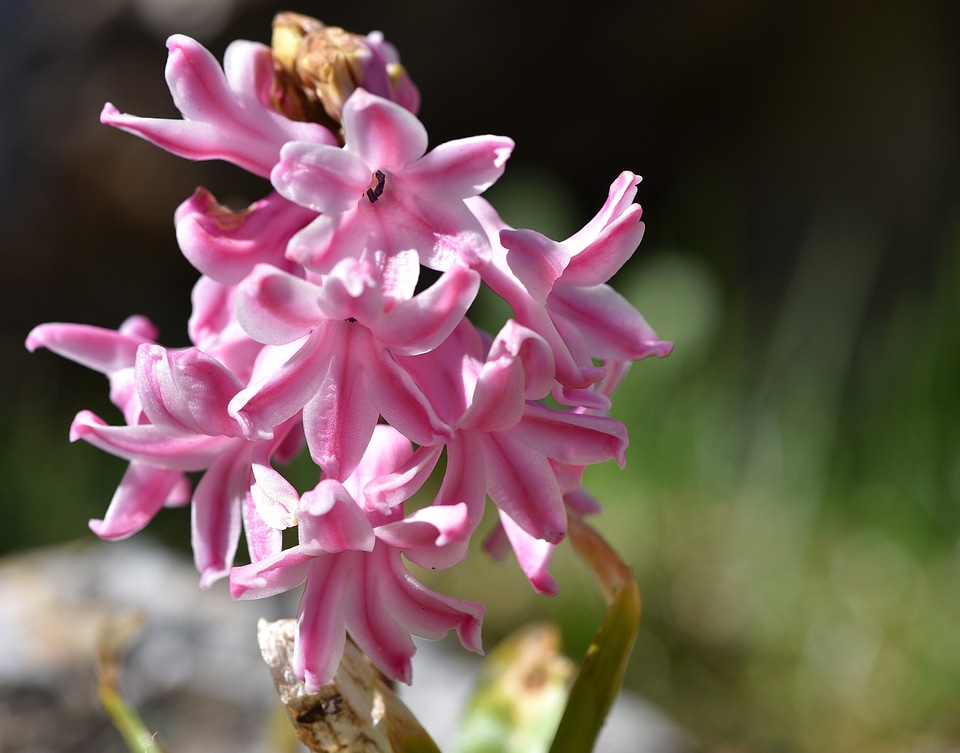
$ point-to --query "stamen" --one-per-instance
(377, 191)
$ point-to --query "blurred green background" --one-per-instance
(791, 502)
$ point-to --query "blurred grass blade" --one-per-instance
(356, 712)
(601, 673)
(519, 696)
(125, 718)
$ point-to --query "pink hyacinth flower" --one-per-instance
(144, 489)
(505, 444)
(559, 291)
(350, 557)
(344, 375)
(226, 112)
(383, 192)
(184, 396)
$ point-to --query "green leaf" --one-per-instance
(601, 673)
(124, 716)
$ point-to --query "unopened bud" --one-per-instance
(318, 67)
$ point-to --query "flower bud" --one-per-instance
(318, 67)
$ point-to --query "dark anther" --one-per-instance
(326, 707)
(375, 193)
(351, 319)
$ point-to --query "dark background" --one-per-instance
(798, 453)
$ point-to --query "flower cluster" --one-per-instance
(315, 328)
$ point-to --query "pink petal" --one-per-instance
(216, 514)
(274, 497)
(420, 324)
(435, 537)
(381, 133)
(220, 123)
(461, 168)
(465, 477)
(426, 613)
(400, 401)
(226, 245)
(284, 571)
(572, 438)
(371, 621)
(323, 178)
(146, 443)
(385, 491)
(331, 521)
(521, 482)
(610, 326)
(533, 555)
(534, 260)
(263, 540)
(186, 390)
(519, 366)
(321, 623)
(268, 402)
(608, 252)
(103, 350)
(276, 307)
(340, 417)
(143, 490)
(621, 195)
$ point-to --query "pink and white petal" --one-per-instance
(263, 541)
(386, 491)
(248, 68)
(331, 522)
(370, 620)
(620, 196)
(586, 399)
(434, 537)
(185, 390)
(521, 482)
(216, 514)
(572, 438)
(386, 451)
(321, 622)
(400, 401)
(424, 612)
(608, 252)
(268, 577)
(226, 245)
(276, 307)
(612, 328)
(443, 232)
(460, 168)
(147, 443)
(351, 291)
(340, 417)
(533, 556)
(268, 402)
(202, 93)
(143, 490)
(328, 239)
(103, 350)
(465, 477)
(534, 260)
(323, 178)
(421, 323)
(190, 139)
(275, 499)
(381, 133)
(519, 366)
